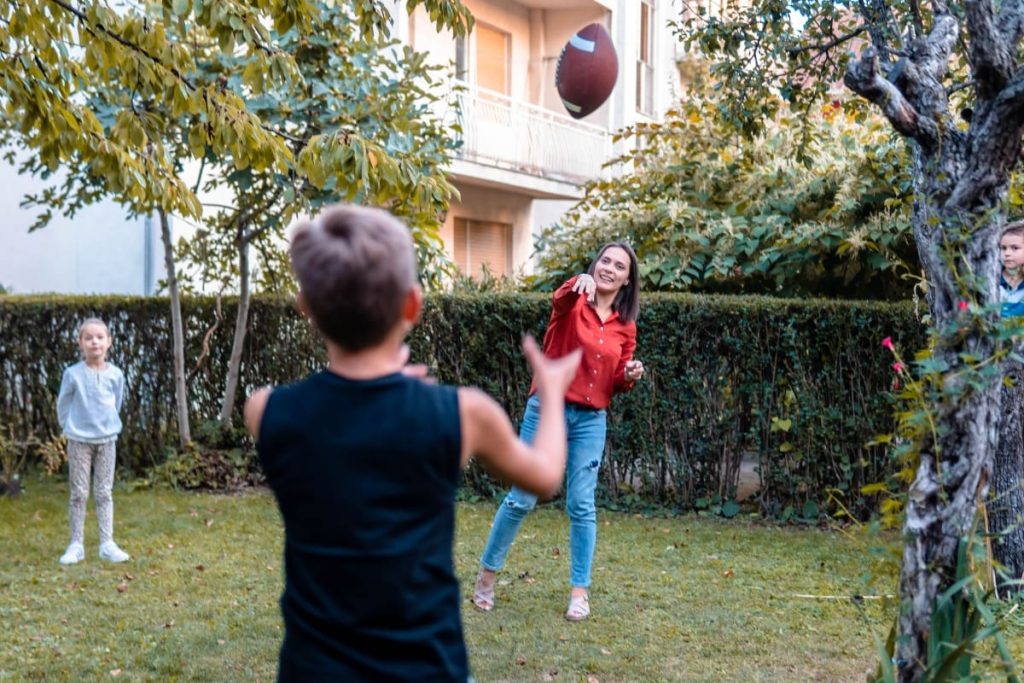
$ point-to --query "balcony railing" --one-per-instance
(502, 132)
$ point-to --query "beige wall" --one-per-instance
(510, 18)
(500, 206)
(560, 25)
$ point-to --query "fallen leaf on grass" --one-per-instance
(220, 641)
(520, 661)
(605, 651)
(122, 587)
(592, 679)
(209, 522)
(728, 573)
(555, 552)
(169, 624)
(115, 672)
(36, 638)
(200, 568)
(549, 676)
(129, 577)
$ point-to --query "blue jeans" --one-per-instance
(585, 430)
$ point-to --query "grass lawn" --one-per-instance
(691, 598)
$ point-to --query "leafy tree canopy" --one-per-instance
(302, 100)
(813, 204)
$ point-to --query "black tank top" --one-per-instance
(365, 473)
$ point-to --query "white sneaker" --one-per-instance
(73, 555)
(111, 553)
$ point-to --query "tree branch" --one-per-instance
(995, 148)
(939, 46)
(990, 58)
(862, 77)
(124, 42)
(1011, 22)
(824, 47)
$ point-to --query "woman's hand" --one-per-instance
(634, 370)
(585, 285)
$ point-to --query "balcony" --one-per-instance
(511, 135)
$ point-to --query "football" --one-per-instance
(586, 70)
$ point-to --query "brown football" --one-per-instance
(586, 71)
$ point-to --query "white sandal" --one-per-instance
(579, 607)
(483, 596)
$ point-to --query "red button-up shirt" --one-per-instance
(606, 347)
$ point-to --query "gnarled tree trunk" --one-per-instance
(1006, 499)
(961, 175)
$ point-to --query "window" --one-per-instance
(492, 58)
(480, 244)
(645, 59)
(485, 61)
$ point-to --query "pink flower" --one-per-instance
(898, 367)
(962, 305)
(887, 343)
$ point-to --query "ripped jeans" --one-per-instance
(586, 433)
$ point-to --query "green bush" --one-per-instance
(797, 386)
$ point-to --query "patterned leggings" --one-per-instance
(100, 457)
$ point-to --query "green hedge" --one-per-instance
(799, 386)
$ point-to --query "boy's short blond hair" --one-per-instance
(355, 266)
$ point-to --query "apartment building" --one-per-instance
(523, 158)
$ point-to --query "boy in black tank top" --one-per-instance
(364, 458)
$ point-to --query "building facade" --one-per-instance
(523, 159)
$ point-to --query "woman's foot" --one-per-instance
(579, 605)
(483, 590)
(73, 555)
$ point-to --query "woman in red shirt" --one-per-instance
(595, 311)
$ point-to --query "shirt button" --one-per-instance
(599, 356)
(600, 341)
(591, 385)
(595, 372)
(588, 399)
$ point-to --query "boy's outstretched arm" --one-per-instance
(488, 433)
(254, 411)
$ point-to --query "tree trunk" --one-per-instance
(1006, 502)
(178, 330)
(958, 251)
(227, 406)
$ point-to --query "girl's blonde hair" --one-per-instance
(92, 321)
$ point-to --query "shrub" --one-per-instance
(798, 386)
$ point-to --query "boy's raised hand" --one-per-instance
(552, 376)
